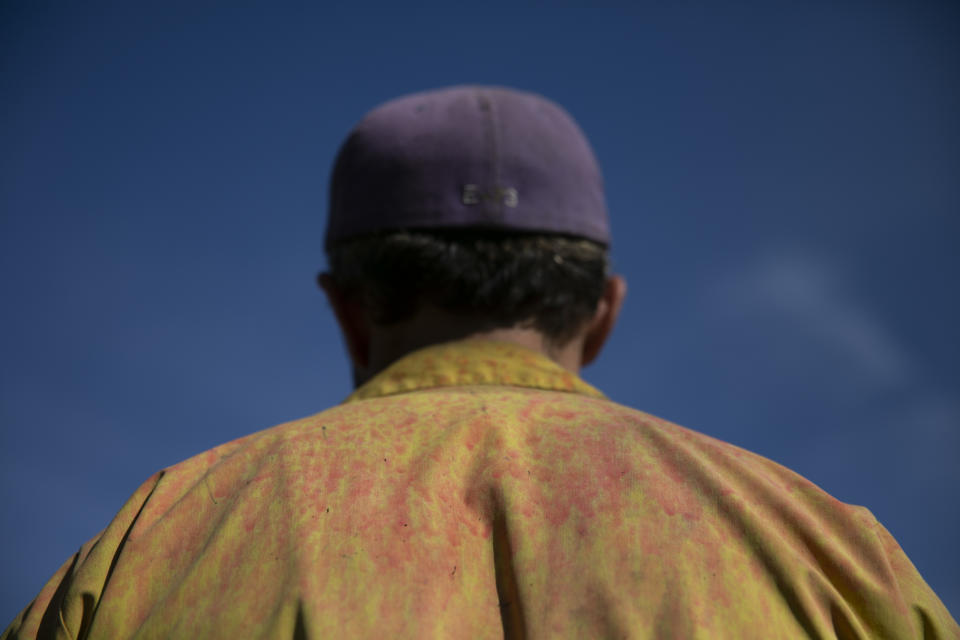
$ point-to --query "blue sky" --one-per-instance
(782, 180)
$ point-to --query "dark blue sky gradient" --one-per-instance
(782, 180)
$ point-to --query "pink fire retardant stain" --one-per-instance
(514, 468)
(571, 490)
(533, 403)
(451, 530)
(335, 474)
(674, 499)
(526, 510)
(476, 430)
(361, 484)
(404, 427)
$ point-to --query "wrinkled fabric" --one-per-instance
(478, 490)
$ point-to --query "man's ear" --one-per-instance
(608, 309)
(353, 321)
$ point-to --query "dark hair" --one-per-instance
(548, 282)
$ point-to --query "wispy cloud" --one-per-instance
(811, 293)
(912, 420)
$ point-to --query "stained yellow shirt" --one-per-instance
(476, 490)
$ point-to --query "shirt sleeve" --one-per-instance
(932, 619)
(65, 606)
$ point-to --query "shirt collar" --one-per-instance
(472, 362)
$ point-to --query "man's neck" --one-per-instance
(389, 344)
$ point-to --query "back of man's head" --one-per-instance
(483, 206)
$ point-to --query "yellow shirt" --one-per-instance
(476, 490)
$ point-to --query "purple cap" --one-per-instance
(467, 157)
